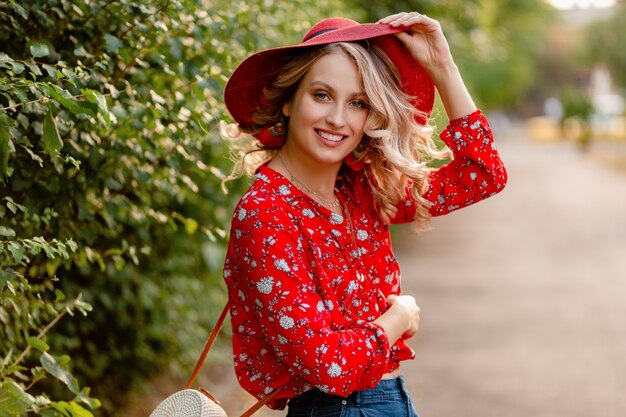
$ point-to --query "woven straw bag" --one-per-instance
(188, 403)
(200, 403)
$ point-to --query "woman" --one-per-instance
(341, 150)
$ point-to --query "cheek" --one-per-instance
(357, 121)
(308, 111)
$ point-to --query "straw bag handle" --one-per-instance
(205, 352)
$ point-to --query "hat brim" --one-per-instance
(244, 91)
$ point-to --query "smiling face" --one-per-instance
(327, 113)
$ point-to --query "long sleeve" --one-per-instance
(476, 171)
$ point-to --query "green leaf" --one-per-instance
(19, 9)
(38, 373)
(112, 43)
(144, 9)
(71, 409)
(14, 400)
(39, 49)
(51, 70)
(51, 137)
(38, 344)
(17, 250)
(82, 306)
(6, 276)
(4, 58)
(95, 97)
(51, 251)
(191, 226)
(18, 67)
(70, 103)
(6, 231)
(60, 296)
(61, 249)
(73, 161)
(52, 266)
(55, 367)
(7, 359)
(14, 207)
(11, 204)
(35, 248)
(84, 398)
(5, 146)
(49, 412)
(34, 68)
(14, 369)
(72, 245)
(81, 51)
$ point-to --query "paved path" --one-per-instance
(523, 296)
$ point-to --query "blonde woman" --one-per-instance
(340, 151)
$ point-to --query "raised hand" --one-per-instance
(427, 44)
(424, 39)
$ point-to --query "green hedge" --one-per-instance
(110, 167)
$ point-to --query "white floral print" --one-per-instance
(303, 298)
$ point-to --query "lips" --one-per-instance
(330, 136)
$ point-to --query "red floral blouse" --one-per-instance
(303, 297)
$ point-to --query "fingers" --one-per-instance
(405, 38)
(406, 19)
(410, 312)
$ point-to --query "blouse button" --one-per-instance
(344, 402)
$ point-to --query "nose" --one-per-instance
(336, 116)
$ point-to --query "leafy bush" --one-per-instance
(110, 166)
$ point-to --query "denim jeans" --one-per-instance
(389, 398)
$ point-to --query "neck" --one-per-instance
(318, 178)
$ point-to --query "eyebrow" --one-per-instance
(360, 94)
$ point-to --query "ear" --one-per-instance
(286, 109)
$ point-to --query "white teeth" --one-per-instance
(328, 136)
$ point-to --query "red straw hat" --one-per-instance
(244, 90)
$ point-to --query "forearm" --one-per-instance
(393, 327)
(452, 90)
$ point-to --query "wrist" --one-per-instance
(402, 316)
(393, 322)
(443, 73)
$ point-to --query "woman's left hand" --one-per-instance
(429, 47)
(426, 41)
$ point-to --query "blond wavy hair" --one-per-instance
(398, 148)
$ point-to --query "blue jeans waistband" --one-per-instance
(386, 389)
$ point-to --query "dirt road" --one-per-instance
(523, 296)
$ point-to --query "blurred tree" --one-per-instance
(495, 42)
(110, 163)
(605, 43)
(577, 111)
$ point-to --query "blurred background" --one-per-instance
(113, 225)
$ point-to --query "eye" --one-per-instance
(360, 104)
(321, 95)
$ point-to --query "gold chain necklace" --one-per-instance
(351, 226)
(323, 201)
